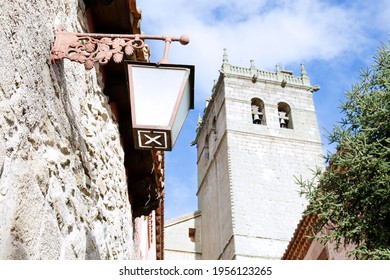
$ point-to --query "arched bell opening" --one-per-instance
(258, 113)
(284, 112)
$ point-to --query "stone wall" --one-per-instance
(63, 190)
(264, 161)
(246, 172)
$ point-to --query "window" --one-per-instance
(214, 128)
(191, 234)
(206, 155)
(258, 114)
(284, 112)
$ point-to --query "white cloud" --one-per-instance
(281, 32)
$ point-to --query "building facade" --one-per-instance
(304, 247)
(258, 132)
(182, 235)
(71, 184)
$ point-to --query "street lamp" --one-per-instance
(161, 94)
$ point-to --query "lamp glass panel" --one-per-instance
(155, 93)
(182, 112)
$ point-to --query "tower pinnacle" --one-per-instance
(303, 70)
(305, 77)
(225, 56)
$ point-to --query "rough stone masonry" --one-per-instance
(63, 191)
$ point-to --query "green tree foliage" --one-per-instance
(352, 200)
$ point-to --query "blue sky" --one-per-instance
(334, 39)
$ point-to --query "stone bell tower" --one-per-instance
(258, 132)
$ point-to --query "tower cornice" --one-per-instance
(282, 77)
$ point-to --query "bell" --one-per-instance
(257, 119)
(282, 123)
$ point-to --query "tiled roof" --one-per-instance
(300, 242)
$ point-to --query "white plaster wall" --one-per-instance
(63, 191)
(177, 244)
(145, 236)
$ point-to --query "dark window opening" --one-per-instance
(206, 152)
(214, 128)
(191, 234)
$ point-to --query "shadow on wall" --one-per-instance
(18, 252)
(92, 250)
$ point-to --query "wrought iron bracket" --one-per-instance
(89, 48)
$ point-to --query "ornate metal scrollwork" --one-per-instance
(90, 48)
(87, 49)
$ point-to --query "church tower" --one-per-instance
(259, 131)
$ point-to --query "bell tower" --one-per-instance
(259, 130)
